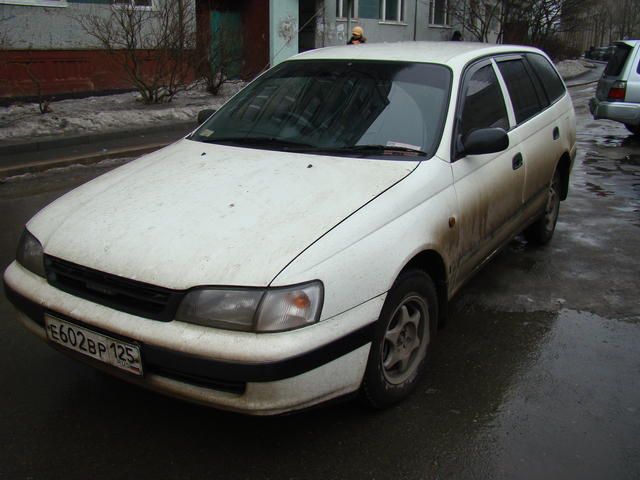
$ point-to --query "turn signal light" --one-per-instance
(617, 91)
(299, 300)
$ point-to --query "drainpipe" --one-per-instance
(349, 5)
(415, 22)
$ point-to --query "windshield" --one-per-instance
(358, 108)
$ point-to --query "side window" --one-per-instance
(521, 89)
(547, 75)
(484, 105)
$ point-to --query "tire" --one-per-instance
(635, 129)
(541, 231)
(403, 335)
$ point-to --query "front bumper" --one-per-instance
(625, 112)
(260, 374)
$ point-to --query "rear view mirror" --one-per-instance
(485, 140)
(203, 115)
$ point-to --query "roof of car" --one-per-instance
(428, 52)
(631, 43)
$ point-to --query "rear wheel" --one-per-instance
(541, 231)
(403, 336)
(635, 129)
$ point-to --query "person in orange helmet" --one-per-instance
(357, 36)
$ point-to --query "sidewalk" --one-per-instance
(590, 76)
(87, 130)
(18, 157)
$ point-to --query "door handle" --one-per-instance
(556, 133)
(517, 161)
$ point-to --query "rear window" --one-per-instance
(548, 76)
(617, 60)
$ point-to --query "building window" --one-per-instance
(343, 5)
(392, 10)
(141, 4)
(36, 3)
(438, 12)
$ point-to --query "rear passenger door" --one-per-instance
(538, 123)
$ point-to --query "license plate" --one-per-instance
(123, 355)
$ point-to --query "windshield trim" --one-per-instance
(389, 155)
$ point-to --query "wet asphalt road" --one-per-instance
(536, 375)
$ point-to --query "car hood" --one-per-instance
(201, 214)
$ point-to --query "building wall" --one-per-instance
(48, 53)
(331, 30)
(283, 27)
(46, 28)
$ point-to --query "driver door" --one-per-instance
(489, 187)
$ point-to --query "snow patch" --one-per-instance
(573, 68)
(107, 113)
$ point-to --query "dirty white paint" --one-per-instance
(371, 248)
(202, 214)
(244, 347)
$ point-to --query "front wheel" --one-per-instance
(541, 231)
(403, 336)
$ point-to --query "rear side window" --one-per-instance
(484, 105)
(616, 62)
(522, 91)
(548, 76)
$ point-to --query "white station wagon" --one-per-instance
(302, 244)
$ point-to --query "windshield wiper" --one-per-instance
(375, 149)
(257, 141)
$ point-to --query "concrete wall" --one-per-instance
(283, 28)
(37, 27)
(48, 28)
(333, 31)
(50, 54)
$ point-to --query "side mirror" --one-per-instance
(203, 115)
(485, 140)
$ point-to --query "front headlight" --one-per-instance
(270, 310)
(30, 254)
(228, 309)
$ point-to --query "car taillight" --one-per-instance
(617, 91)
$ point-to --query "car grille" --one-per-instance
(116, 292)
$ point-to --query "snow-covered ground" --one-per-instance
(106, 113)
(125, 112)
(572, 68)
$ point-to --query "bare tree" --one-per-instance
(624, 19)
(27, 65)
(478, 18)
(218, 55)
(157, 46)
(5, 37)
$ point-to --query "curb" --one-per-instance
(582, 84)
(34, 167)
